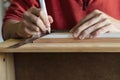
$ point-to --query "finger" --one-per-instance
(31, 26)
(89, 16)
(41, 26)
(41, 14)
(35, 11)
(44, 18)
(22, 33)
(25, 31)
(36, 20)
(50, 19)
(87, 24)
(31, 33)
(93, 28)
(102, 30)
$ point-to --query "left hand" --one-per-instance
(94, 24)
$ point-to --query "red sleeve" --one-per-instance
(18, 7)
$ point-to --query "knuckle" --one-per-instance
(32, 8)
(96, 11)
(104, 15)
(25, 14)
(41, 12)
(100, 15)
(35, 28)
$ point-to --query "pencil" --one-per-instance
(43, 6)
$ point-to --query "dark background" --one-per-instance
(67, 66)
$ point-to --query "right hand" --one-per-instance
(34, 22)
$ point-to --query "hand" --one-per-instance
(34, 22)
(94, 24)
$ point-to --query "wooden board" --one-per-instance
(68, 44)
(7, 67)
(2, 67)
(72, 40)
(47, 45)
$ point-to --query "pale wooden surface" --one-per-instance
(2, 67)
(6, 67)
(65, 45)
(10, 69)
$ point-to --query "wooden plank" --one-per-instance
(8, 43)
(67, 45)
(7, 71)
(2, 67)
(72, 40)
(10, 69)
(58, 43)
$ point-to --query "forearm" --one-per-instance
(10, 29)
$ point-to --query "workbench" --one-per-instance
(64, 42)
(95, 61)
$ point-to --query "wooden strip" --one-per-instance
(2, 67)
(8, 43)
(72, 40)
(10, 69)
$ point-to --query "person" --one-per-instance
(84, 18)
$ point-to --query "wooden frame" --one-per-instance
(7, 71)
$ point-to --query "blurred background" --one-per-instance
(3, 6)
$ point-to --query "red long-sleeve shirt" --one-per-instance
(66, 13)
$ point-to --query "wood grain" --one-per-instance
(7, 67)
(65, 45)
(72, 40)
(10, 68)
(3, 67)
